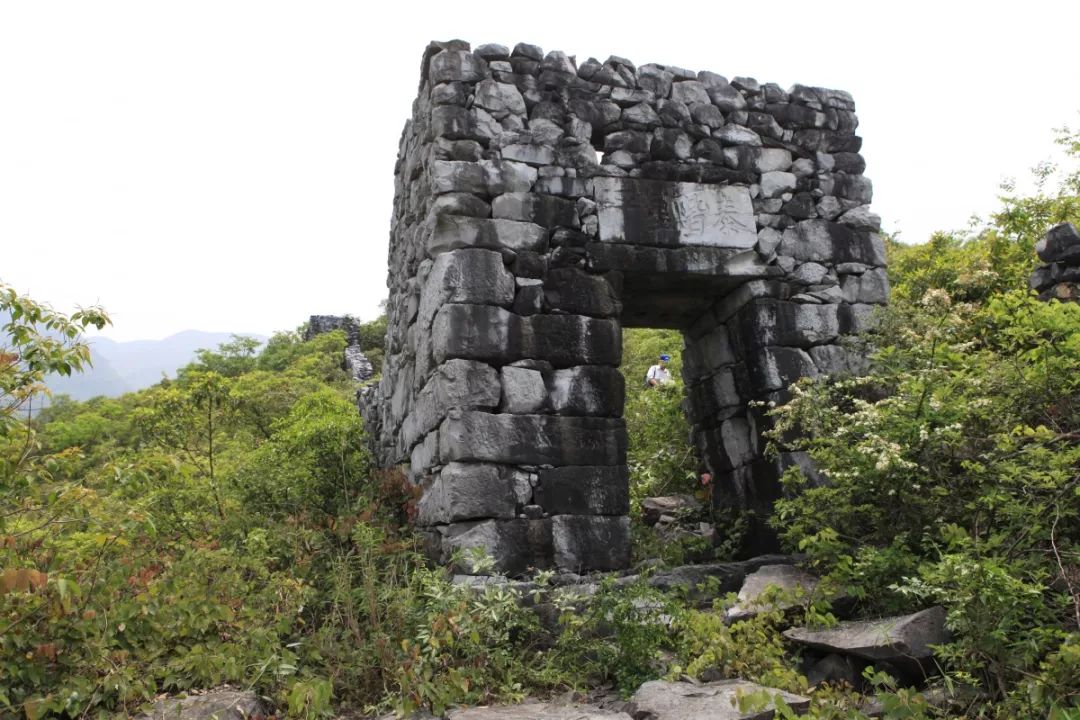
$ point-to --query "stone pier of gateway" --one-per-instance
(541, 206)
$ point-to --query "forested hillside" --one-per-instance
(227, 526)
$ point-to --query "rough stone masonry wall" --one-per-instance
(539, 206)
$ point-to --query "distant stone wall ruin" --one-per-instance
(542, 206)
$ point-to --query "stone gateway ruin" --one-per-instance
(542, 206)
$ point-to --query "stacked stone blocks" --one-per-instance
(542, 205)
(1058, 278)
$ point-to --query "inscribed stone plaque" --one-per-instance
(672, 214)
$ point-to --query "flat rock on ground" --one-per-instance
(536, 711)
(653, 508)
(662, 700)
(786, 577)
(213, 705)
(905, 637)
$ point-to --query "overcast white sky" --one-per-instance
(229, 165)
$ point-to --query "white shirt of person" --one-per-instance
(660, 374)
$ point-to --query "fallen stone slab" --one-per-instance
(536, 711)
(727, 576)
(654, 507)
(787, 578)
(893, 639)
(662, 700)
(213, 705)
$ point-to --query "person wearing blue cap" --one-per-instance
(659, 374)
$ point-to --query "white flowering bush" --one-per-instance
(953, 473)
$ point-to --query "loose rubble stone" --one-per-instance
(654, 507)
(537, 711)
(787, 578)
(663, 700)
(213, 705)
(906, 637)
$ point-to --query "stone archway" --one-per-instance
(735, 211)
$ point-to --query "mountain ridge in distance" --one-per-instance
(120, 367)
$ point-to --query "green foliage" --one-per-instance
(616, 635)
(182, 536)
(954, 464)
(468, 646)
(661, 458)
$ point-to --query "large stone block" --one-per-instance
(523, 390)
(532, 439)
(458, 176)
(587, 390)
(649, 212)
(1060, 244)
(663, 700)
(499, 99)
(467, 491)
(464, 383)
(454, 123)
(575, 291)
(485, 332)
(546, 210)
(739, 446)
(826, 241)
(536, 154)
(590, 542)
(423, 457)
(567, 340)
(457, 203)
(455, 231)
(892, 639)
(472, 276)
(708, 261)
(456, 65)
(856, 188)
(532, 710)
(517, 546)
(774, 368)
(870, 287)
(455, 384)
(708, 352)
(724, 390)
(584, 490)
(773, 322)
(478, 332)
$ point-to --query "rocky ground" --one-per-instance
(900, 644)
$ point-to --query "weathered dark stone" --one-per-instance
(532, 439)
(599, 542)
(214, 705)
(664, 700)
(575, 291)
(584, 490)
(536, 711)
(587, 390)
(517, 546)
(545, 210)
(772, 322)
(455, 65)
(1060, 244)
(467, 491)
(893, 639)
